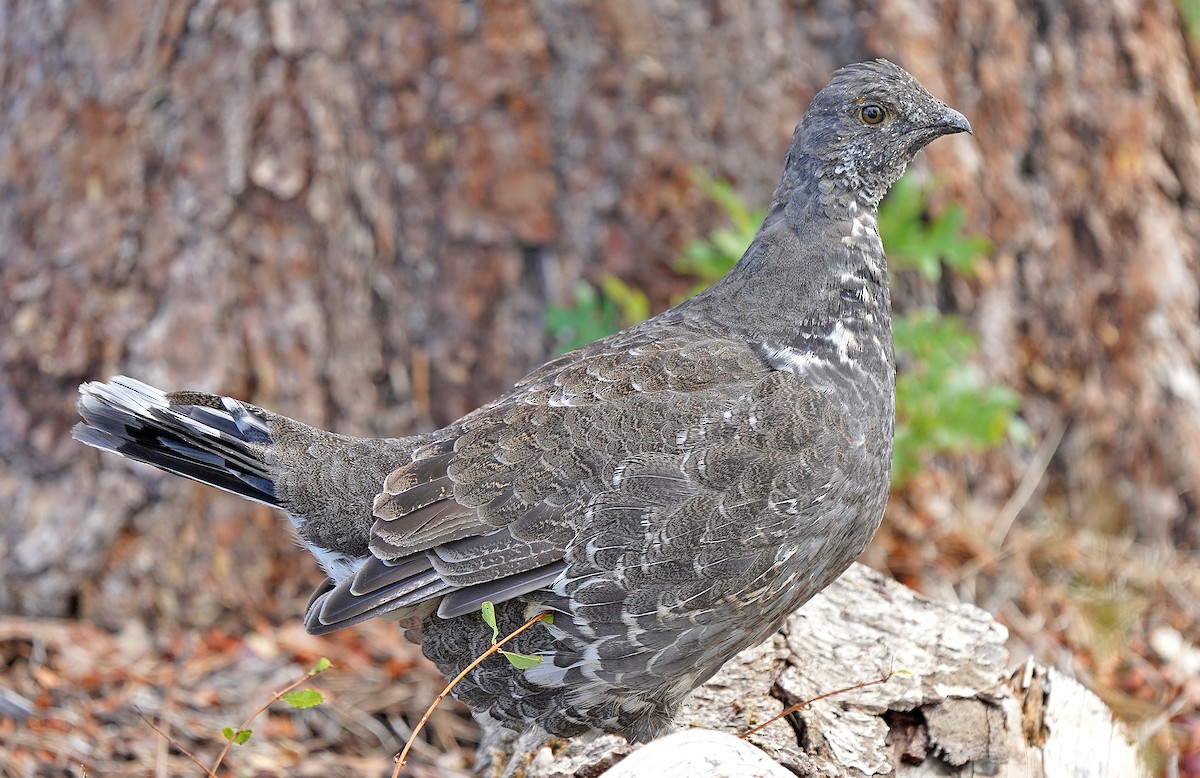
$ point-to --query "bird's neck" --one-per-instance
(811, 267)
(826, 184)
(812, 288)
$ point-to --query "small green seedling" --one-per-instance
(237, 736)
(303, 698)
(519, 661)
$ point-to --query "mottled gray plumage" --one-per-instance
(670, 492)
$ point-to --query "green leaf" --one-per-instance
(721, 193)
(631, 303)
(1189, 15)
(303, 698)
(589, 317)
(238, 736)
(924, 243)
(547, 618)
(489, 618)
(943, 401)
(522, 661)
(322, 665)
(711, 257)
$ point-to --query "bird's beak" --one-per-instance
(952, 121)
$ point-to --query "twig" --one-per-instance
(176, 743)
(1029, 482)
(160, 753)
(793, 708)
(271, 701)
(160, 750)
(403, 755)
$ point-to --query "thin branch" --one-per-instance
(175, 743)
(168, 706)
(793, 708)
(1029, 482)
(403, 755)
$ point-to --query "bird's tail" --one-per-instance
(214, 440)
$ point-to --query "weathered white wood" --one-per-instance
(1059, 728)
(699, 753)
(950, 708)
(864, 626)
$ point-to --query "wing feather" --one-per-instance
(489, 509)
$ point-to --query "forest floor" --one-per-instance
(125, 704)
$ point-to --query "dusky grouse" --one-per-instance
(671, 492)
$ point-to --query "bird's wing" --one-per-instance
(609, 435)
(777, 486)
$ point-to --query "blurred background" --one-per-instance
(375, 216)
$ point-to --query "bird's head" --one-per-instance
(862, 130)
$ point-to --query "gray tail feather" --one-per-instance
(210, 439)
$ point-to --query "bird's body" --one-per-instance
(670, 492)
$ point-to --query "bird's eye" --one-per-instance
(871, 113)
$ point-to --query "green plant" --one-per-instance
(297, 698)
(302, 698)
(1189, 18)
(944, 403)
(924, 243)
(595, 313)
(489, 616)
(519, 661)
(712, 256)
